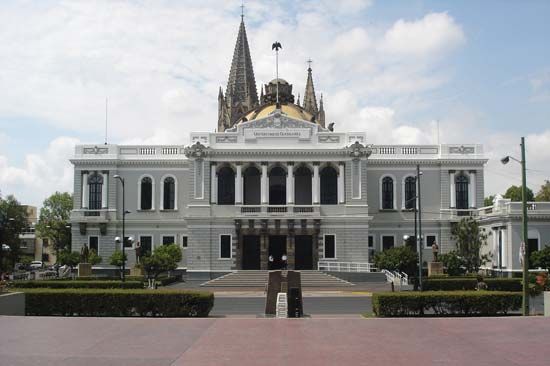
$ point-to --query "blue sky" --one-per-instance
(392, 68)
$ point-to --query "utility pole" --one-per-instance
(419, 239)
(525, 232)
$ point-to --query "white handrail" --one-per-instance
(331, 266)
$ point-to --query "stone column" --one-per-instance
(85, 194)
(315, 184)
(238, 185)
(290, 184)
(472, 193)
(105, 190)
(452, 187)
(264, 185)
(213, 184)
(341, 183)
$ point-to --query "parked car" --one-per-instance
(36, 264)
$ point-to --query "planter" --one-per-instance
(84, 269)
(12, 303)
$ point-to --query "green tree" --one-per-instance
(93, 258)
(402, 259)
(68, 258)
(164, 258)
(514, 193)
(117, 259)
(53, 222)
(541, 258)
(544, 192)
(488, 201)
(470, 238)
(13, 220)
(455, 264)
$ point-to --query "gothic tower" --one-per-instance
(310, 100)
(241, 94)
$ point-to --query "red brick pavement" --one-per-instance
(316, 341)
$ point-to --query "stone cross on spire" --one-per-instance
(241, 94)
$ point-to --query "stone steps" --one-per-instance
(259, 279)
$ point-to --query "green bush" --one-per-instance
(105, 278)
(165, 280)
(401, 259)
(470, 283)
(77, 284)
(445, 303)
(117, 302)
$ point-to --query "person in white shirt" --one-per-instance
(284, 258)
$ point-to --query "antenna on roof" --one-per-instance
(106, 118)
(242, 10)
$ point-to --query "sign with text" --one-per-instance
(289, 133)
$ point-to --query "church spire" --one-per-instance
(310, 101)
(241, 94)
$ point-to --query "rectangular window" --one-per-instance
(127, 244)
(330, 246)
(146, 243)
(184, 241)
(225, 246)
(93, 243)
(388, 242)
(169, 239)
(371, 241)
(430, 240)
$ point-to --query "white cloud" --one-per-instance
(161, 63)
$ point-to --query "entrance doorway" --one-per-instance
(303, 252)
(277, 248)
(251, 252)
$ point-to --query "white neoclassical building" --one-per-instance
(274, 180)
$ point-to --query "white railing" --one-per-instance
(398, 278)
(277, 210)
(331, 266)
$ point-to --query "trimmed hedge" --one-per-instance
(445, 303)
(117, 302)
(77, 284)
(466, 283)
(104, 278)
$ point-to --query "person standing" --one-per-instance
(284, 259)
(270, 259)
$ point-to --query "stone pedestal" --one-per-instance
(136, 271)
(546, 303)
(84, 269)
(435, 269)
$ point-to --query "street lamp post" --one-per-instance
(419, 239)
(123, 241)
(525, 246)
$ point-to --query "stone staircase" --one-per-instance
(252, 278)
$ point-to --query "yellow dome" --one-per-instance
(291, 110)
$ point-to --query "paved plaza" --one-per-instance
(256, 341)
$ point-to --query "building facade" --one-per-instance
(273, 181)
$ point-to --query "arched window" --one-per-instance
(410, 193)
(95, 183)
(169, 194)
(277, 186)
(251, 186)
(302, 186)
(461, 184)
(329, 186)
(387, 193)
(146, 193)
(226, 186)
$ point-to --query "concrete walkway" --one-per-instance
(315, 341)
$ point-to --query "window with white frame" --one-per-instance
(387, 193)
(146, 193)
(169, 193)
(388, 242)
(329, 247)
(168, 239)
(146, 242)
(225, 246)
(430, 240)
(184, 241)
(93, 243)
